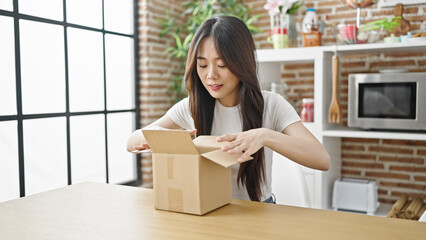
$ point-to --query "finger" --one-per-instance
(143, 146)
(231, 146)
(227, 137)
(237, 149)
(192, 132)
(244, 157)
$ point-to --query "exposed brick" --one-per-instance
(309, 90)
(353, 148)
(298, 66)
(415, 18)
(407, 169)
(359, 156)
(390, 150)
(350, 172)
(344, 16)
(405, 54)
(161, 109)
(328, 3)
(323, 11)
(383, 12)
(405, 142)
(386, 200)
(362, 165)
(382, 191)
(387, 175)
(300, 82)
(410, 195)
(309, 5)
(401, 159)
(344, 73)
(403, 185)
(153, 71)
(392, 63)
(420, 178)
(421, 152)
(352, 64)
(307, 74)
(408, 10)
(288, 75)
(418, 70)
(360, 140)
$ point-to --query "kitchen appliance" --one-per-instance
(358, 195)
(387, 101)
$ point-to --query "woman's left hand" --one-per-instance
(248, 142)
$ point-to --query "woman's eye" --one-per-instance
(221, 66)
(203, 66)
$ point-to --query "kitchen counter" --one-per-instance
(106, 211)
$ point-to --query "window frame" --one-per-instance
(19, 117)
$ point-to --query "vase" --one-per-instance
(291, 31)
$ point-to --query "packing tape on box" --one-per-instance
(175, 196)
(170, 168)
(175, 199)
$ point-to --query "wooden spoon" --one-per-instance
(334, 112)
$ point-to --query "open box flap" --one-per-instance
(208, 141)
(222, 158)
(170, 141)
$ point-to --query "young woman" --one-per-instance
(225, 100)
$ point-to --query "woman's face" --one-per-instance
(219, 81)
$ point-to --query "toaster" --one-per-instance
(358, 195)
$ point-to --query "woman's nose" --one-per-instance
(211, 74)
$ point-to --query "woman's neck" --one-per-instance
(228, 101)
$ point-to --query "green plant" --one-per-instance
(387, 23)
(195, 13)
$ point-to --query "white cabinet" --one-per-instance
(320, 184)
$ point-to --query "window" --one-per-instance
(68, 94)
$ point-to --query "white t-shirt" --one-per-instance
(277, 115)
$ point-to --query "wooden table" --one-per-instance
(106, 211)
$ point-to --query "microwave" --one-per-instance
(395, 101)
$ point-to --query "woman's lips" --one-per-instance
(215, 87)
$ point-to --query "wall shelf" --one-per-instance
(354, 133)
(308, 54)
(330, 135)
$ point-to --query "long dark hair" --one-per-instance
(236, 48)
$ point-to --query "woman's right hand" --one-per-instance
(142, 147)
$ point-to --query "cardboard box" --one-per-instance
(189, 176)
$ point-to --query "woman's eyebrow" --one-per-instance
(203, 58)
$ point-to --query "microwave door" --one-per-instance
(387, 100)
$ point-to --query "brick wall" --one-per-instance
(397, 166)
(156, 68)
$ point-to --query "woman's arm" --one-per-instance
(295, 143)
(136, 142)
